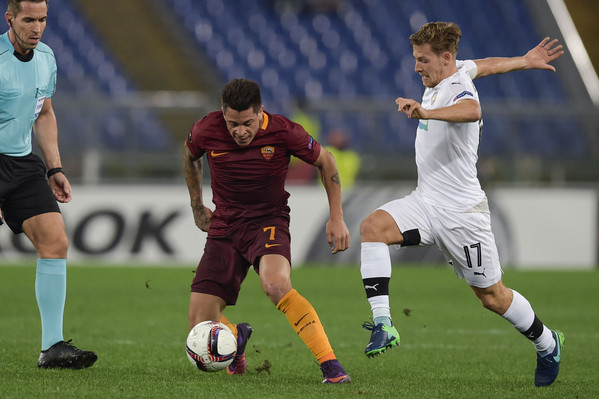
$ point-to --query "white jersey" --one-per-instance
(446, 153)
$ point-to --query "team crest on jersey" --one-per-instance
(434, 98)
(268, 152)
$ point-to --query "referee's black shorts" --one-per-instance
(24, 190)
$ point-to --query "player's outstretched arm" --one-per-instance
(539, 57)
(336, 229)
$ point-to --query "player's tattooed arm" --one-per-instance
(202, 216)
(335, 178)
(192, 171)
(336, 229)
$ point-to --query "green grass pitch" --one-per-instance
(135, 318)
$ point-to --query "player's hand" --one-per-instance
(61, 188)
(410, 107)
(202, 217)
(337, 236)
(541, 55)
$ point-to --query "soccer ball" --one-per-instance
(211, 346)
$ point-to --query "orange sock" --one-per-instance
(304, 320)
(226, 322)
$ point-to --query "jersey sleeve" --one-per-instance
(51, 89)
(302, 145)
(463, 93)
(469, 67)
(462, 88)
(193, 139)
(47, 61)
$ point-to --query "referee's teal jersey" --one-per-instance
(24, 85)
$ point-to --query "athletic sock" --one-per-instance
(226, 322)
(375, 268)
(523, 318)
(50, 292)
(383, 319)
(304, 320)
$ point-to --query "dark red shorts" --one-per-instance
(226, 260)
(24, 190)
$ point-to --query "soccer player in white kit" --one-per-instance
(448, 208)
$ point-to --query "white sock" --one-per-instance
(522, 316)
(376, 264)
(375, 260)
(545, 344)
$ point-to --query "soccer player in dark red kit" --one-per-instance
(248, 152)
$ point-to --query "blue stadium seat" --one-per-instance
(496, 136)
(362, 50)
(85, 68)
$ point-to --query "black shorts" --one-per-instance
(226, 261)
(24, 190)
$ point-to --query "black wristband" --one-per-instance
(54, 171)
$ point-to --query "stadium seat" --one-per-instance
(361, 50)
(85, 68)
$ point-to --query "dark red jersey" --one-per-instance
(249, 182)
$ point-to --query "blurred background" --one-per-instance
(135, 75)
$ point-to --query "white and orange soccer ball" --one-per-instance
(211, 346)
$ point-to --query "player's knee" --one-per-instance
(276, 290)
(370, 230)
(274, 293)
(61, 246)
(56, 247)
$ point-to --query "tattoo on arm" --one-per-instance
(335, 178)
(196, 202)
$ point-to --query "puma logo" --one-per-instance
(480, 274)
(371, 287)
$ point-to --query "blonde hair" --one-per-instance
(441, 36)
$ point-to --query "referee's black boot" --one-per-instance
(65, 355)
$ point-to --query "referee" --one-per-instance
(30, 187)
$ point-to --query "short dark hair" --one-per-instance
(241, 94)
(14, 6)
(442, 37)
